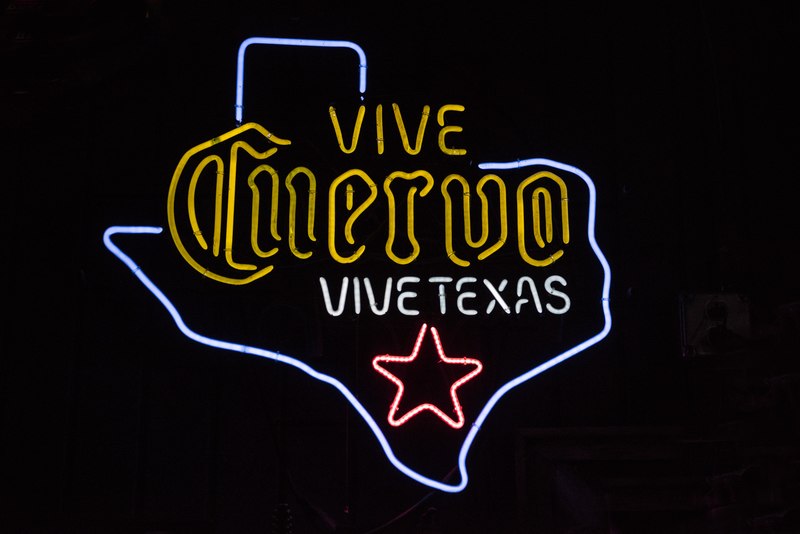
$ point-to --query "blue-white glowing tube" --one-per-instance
(254, 351)
(462, 456)
(539, 369)
(362, 62)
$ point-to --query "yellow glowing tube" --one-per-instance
(349, 197)
(501, 186)
(256, 209)
(468, 218)
(229, 233)
(410, 214)
(176, 176)
(426, 111)
(356, 129)
(448, 217)
(542, 196)
(449, 129)
(542, 193)
(312, 191)
(379, 127)
(217, 203)
(348, 227)
(448, 210)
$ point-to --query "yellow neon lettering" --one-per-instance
(349, 197)
(229, 233)
(379, 127)
(540, 238)
(256, 208)
(449, 129)
(217, 203)
(448, 217)
(173, 190)
(448, 210)
(338, 130)
(312, 191)
(542, 195)
(348, 227)
(537, 214)
(420, 131)
(501, 186)
(409, 215)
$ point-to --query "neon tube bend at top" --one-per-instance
(362, 62)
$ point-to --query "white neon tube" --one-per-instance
(362, 62)
(263, 353)
(351, 398)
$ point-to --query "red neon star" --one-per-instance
(395, 421)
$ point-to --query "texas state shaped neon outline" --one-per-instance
(426, 406)
(263, 353)
(322, 377)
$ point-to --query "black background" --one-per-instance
(685, 116)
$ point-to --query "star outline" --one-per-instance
(394, 407)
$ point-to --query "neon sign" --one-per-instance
(379, 363)
(397, 244)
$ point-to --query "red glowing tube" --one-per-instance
(458, 422)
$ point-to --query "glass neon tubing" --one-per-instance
(387, 449)
(475, 427)
(362, 62)
(262, 353)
